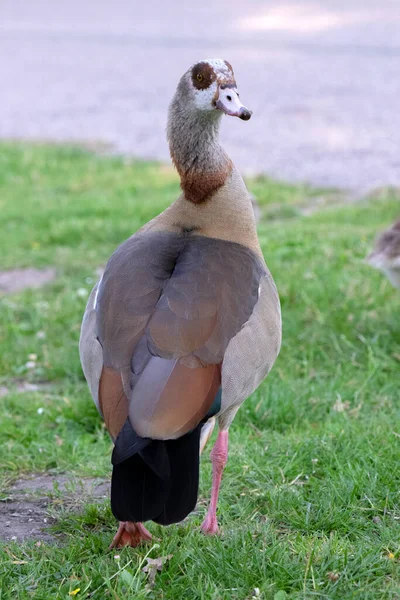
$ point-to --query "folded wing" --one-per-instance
(167, 308)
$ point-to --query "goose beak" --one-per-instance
(228, 101)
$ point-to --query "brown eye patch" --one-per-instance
(203, 75)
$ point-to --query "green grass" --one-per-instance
(310, 501)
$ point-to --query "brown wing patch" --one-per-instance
(113, 402)
(169, 402)
(187, 398)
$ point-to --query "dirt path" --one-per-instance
(27, 507)
(13, 281)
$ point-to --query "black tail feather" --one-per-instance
(184, 463)
(159, 483)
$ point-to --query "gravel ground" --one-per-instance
(322, 78)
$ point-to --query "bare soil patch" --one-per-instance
(17, 280)
(26, 506)
(21, 386)
(21, 520)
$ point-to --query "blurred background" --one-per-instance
(322, 78)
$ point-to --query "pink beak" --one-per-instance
(228, 101)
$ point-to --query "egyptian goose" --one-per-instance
(185, 322)
(386, 254)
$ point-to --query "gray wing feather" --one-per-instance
(193, 301)
(252, 352)
(90, 351)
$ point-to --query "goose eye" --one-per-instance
(199, 77)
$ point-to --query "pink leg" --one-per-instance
(130, 534)
(219, 457)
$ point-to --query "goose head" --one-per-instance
(204, 93)
(209, 87)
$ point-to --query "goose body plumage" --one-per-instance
(183, 326)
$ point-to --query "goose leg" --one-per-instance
(219, 457)
(130, 534)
